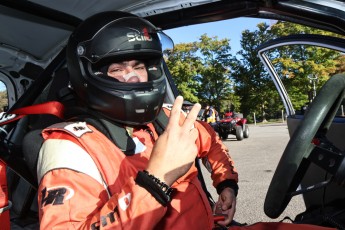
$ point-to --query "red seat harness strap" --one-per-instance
(5, 204)
(53, 108)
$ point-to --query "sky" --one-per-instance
(230, 29)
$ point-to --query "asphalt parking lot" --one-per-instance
(256, 159)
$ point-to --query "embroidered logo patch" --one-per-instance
(125, 201)
(78, 129)
(56, 195)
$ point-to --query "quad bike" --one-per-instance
(232, 123)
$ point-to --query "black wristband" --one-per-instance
(158, 189)
(227, 184)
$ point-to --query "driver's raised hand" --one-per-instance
(175, 150)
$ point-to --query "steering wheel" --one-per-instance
(318, 119)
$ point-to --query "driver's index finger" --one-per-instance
(175, 111)
(192, 116)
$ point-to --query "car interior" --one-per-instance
(33, 70)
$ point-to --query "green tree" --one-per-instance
(299, 64)
(214, 84)
(201, 71)
(295, 64)
(253, 85)
(3, 100)
(183, 64)
(206, 72)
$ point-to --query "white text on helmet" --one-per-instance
(133, 36)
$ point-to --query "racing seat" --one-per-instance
(26, 141)
(33, 140)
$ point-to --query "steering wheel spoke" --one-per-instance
(326, 159)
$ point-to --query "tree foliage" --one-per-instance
(183, 64)
(3, 100)
(206, 72)
(303, 66)
(253, 84)
(201, 71)
(297, 65)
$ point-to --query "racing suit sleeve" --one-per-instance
(72, 197)
(216, 158)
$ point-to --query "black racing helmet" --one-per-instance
(110, 37)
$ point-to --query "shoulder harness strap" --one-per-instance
(161, 122)
(115, 132)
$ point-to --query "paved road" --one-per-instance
(256, 159)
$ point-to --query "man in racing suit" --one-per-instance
(86, 181)
(107, 168)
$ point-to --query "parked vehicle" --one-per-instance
(233, 123)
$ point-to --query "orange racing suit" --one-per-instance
(86, 182)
